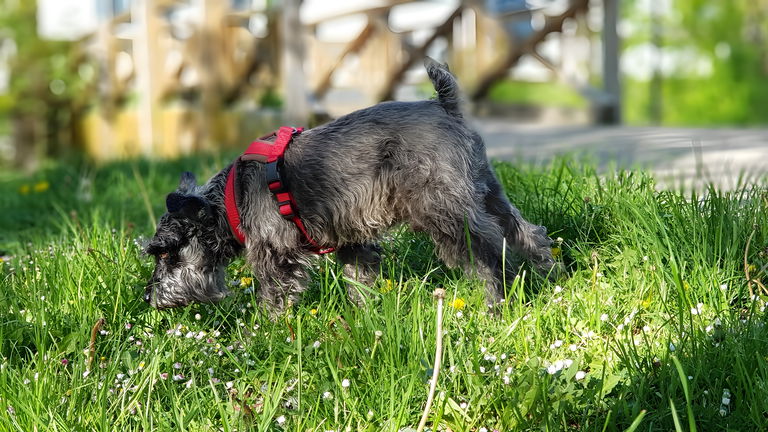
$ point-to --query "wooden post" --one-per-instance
(148, 72)
(611, 113)
(295, 106)
(212, 71)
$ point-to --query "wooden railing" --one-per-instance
(171, 88)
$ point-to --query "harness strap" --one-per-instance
(270, 154)
(230, 204)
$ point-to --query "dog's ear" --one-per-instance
(189, 206)
(187, 183)
(155, 247)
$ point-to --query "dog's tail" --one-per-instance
(446, 86)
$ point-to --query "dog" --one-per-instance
(351, 179)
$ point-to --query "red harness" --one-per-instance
(271, 155)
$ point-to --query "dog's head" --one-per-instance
(189, 263)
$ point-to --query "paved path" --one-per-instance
(676, 155)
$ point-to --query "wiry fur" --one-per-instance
(395, 162)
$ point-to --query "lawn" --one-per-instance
(654, 326)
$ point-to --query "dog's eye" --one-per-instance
(163, 255)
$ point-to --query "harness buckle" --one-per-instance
(286, 210)
(274, 180)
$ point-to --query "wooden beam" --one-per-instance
(253, 63)
(517, 13)
(546, 63)
(262, 53)
(149, 72)
(351, 48)
(237, 18)
(212, 69)
(296, 106)
(124, 17)
(611, 113)
(312, 22)
(551, 24)
(418, 53)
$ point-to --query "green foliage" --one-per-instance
(42, 71)
(50, 85)
(541, 94)
(653, 328)
(731, 35)
(270, 99)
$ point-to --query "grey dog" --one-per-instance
(352, 179)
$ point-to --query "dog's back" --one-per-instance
(368, 167)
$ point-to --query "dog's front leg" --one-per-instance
(283, 290)
(282, 279)
(362, 264)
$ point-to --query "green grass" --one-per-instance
(540, 94)
(653, 323)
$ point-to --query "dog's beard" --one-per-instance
(183, 286)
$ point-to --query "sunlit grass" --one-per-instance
(654, 324)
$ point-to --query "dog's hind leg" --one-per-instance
(475, 242)
(361, 263)
(528, 240)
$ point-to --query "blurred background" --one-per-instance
(678, 86)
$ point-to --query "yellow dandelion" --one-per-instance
(686, 285)
(41, 186)
(141, 365)
(245, 281)
(752, 268)
(24, 189)
(388, 286)
(646, 303)
(556, 252)
(458, 303)
(313, 312)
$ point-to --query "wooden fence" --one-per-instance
(173, 80)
